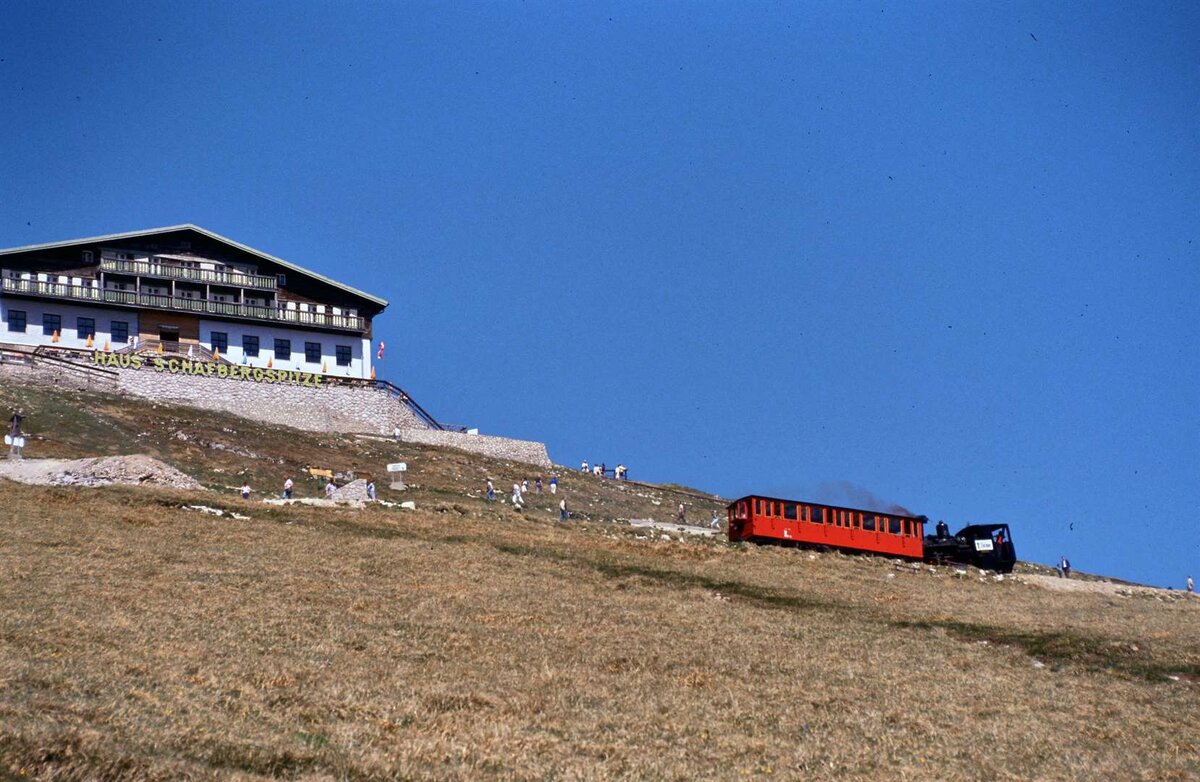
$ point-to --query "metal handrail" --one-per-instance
(158, 301)
(402, 395)
(42, 353)
(175, 272)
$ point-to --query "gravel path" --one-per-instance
(1096, 587)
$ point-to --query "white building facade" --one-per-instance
(185, 291)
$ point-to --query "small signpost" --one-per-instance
(397, 469)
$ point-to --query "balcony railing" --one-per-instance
(61, 290)
(174, 272)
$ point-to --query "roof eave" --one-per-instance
(190, 227)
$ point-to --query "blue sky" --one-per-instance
(945, 253)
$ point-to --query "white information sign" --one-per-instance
(397, 467)
(984, 544)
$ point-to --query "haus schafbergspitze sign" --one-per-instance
(184, 366)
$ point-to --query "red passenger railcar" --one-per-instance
(769, 519)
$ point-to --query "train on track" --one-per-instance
(759, 519)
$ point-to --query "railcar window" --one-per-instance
(894, 526)
(818, 515)
(758, 507)
(841, 518)
(869, 522)
(789, 510)
(908, 527)
(741, 510)
(773, 511)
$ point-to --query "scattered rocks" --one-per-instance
(135, 470)
(216, 512)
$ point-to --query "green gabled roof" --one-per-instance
(189, 227)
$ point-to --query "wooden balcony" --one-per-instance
(93, 293)
(165, 270)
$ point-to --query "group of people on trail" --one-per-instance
(519, 490)
(330, 489)
(600, 470)
(682, 517)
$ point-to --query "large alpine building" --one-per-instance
(186, 291)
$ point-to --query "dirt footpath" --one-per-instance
(1057, 584)
(135, 470)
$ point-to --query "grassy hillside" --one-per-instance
(142, 640)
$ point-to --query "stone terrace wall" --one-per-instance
(322, 409)
(349, 409)
(56, 376)
(525, 451)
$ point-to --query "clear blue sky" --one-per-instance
(945, 252)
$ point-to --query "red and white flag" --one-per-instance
(379, 355)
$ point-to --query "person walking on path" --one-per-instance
(584, 466)
(1065, 565)
(245, 491)
(525, 486)
(537, 485)
(330, 488)
(371, 490)
(562, 509)
(715, 523)
(554, 484)
(287, 489)
(516, 498)
(491, 491)
(681, 516)
(1191, 585)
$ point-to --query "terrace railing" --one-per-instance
(175, 272)
(399, 393)
(92, 293)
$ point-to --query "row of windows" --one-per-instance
(815, 514)
(283, 348)
(84, 327)
(119, 330)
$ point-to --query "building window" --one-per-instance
(85, 327)
(250, 346)
(16, 321)
(343, 355)
(283, 350)
(281, 280)
(119, 329)
(312, 352)
(51, 324)
(220, 341)
(87, 256)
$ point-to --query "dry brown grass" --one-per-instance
(142, 641)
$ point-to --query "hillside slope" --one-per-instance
(143, 640)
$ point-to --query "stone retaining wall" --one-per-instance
(56, 376)
(322, 409)
(334, 408)
(525, 451)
